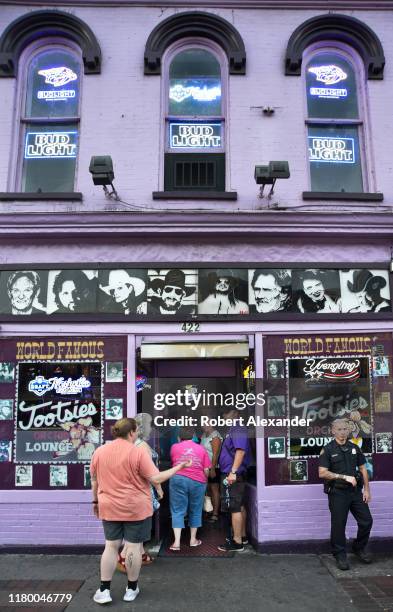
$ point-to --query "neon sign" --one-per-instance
(331, 150)
(195, 135)
(41, 385)
(50, 145)
(57, 77)
(179, 93)
(328, 75)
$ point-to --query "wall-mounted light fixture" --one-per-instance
(101, 169)
(267, 175)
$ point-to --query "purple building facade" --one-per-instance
(190, 101)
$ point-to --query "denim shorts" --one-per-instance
(134, 532)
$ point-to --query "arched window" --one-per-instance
(335, 84)
(49, 96)
(195, 103)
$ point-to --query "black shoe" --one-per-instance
(342, 563)
(363, 556)
(245, 540)
(231, 546)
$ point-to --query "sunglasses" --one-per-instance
(176, 290)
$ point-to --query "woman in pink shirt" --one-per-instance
(187, 488)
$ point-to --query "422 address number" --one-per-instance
(190, 328)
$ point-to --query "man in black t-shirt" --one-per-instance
(342, 466)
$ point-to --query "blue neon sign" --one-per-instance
(324, 149)
(50, 145)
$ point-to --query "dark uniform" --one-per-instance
(343, 497)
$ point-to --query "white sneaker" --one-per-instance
(102, 597)
(130, 594)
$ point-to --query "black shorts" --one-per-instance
(135, 532)
(233, 496)
(216, 479)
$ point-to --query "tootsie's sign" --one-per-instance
(58, 411)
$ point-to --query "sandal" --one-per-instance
(147, 559)
(174, 548)
(197, 543)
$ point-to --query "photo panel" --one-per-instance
(5, 451)
(270, 290)
(316, 290)
(72, 291)
(23, 475)
(114, 371)
(276, 447)
(223, 291)
(114, 409)
(7, 372)
(86, 476)
(380, 365)
(365, 291)
(122, 291)
(276, 406)
(23, 292)
(298, 470)
(6, 409)
(275, 368)
(172, 291)
(58, 476)
(383, 442)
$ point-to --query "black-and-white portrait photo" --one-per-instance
(276, 447)
(316, 290)
(122, 291)
(114, 371)
(6, 409)
(298, 470)
(276, 406)
(275, 368)
(270, 290)
(23, 292)
(72, 291)
(58, 475)
(177, 295)
(7, 372)
(5, 451)
(365, 291)
(86, 476)
(381, 365)
(223, 291)
(114, 409)
(23, 475)
(383, 442)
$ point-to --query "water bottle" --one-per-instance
(227, 498)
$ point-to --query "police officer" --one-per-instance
(342, 466)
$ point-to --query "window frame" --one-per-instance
(21, 120)
(185, 44)
(362, 123)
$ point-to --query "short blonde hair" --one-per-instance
(123, 427)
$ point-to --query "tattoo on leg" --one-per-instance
(129, 558)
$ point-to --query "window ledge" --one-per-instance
(194, 195)
(24, 197)
(331, 195)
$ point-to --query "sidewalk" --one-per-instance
(272, 583)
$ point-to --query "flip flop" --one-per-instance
(174, 548)
(147, 559)
(197, 543)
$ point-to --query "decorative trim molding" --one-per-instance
(342, 28)
(194, 195)
(40, 24)
(195, 23)
(12, 196)
(365, 5)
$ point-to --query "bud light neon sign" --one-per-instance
(50, 145)
(331, 150)
(195, 135)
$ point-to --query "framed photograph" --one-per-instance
(298, 470)
(7, 372)
(270, 290)
(6, 409)
(276, 447)
(382, 402)
(275, 368)
(223, 291)
(276, 405)
(381, 365)
(114, 371)
(365, 291)
(383, 442)
(23, 292)
(58, 476)
(114, 409)
(5, 450)
(86, 476)
(24, 476)
(172, 292)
